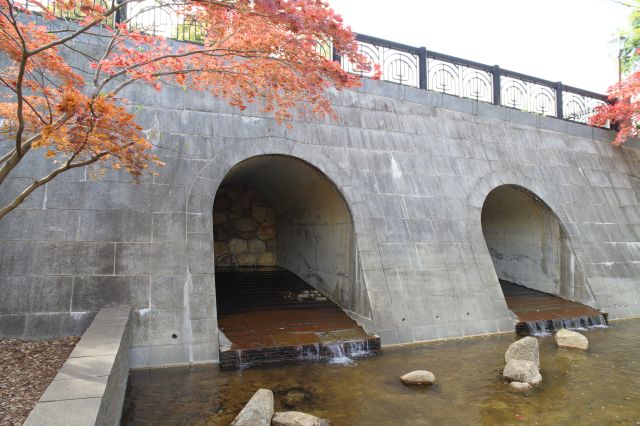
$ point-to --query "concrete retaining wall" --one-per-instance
(413, 168)
(91, 386)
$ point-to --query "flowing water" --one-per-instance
(547, 327)
(601, 386)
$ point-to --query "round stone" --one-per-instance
(267, 259)
(220, 248)
(257, 246)
(259, 213)
(266, 232)
(418, 377)
(245, 224)
(571, 339)
(247, 259)
(237, 246)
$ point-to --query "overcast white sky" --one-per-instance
(573, 41)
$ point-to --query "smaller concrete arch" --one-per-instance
(529, 244)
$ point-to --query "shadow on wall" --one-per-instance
(529, 246)
(279, 210)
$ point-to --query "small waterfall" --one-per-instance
(338, 354)
(242, 364)
(308, 352)
(342, 352)
(547, 327)
(538, 328)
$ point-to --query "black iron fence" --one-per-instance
(424, 69)
(398, 63)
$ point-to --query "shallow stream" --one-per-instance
(601, 386)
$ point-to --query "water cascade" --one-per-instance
(335, 352)
(547, 327)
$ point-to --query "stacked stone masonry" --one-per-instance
(244, 228)
(414, 168)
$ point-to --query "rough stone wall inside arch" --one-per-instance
(244, 228)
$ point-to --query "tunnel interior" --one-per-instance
(539, 273)
(285, 258)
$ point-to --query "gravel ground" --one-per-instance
(26, 369)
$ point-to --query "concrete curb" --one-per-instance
(90, 387)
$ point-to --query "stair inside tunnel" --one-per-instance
(268, 315)
(540, 314)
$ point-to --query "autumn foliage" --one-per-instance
(624, 109)
(262, 51)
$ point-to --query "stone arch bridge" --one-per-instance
(381, 210)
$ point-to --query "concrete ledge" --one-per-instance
(90, 387)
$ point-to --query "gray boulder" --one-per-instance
(522, 371)
(418, 377)
(296, 418)
(258, 411)
(525, 349)
(571, 339)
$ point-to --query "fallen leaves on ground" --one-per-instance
(26, 369)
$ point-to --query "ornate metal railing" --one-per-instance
(419, 67)
(398, 63)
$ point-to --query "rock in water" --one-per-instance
(296, 418)
(570, 339)
(525, 349)
(522, 371)
(258, 411)
(519, 386)
(418, 377)
(537, 380)
(294, 397)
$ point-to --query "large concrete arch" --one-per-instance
(314, 224)
(199, 227)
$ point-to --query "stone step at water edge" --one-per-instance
(235, 359)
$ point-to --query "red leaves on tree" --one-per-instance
(624, 109)
(253, 51)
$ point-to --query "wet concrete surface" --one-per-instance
(267, 309)
(533, 305)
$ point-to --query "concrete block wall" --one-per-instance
(91, 385)
(414, 168)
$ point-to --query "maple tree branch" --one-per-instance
(42, 181)
(114, 8)
(176, 72)
(13, 160)
(26, 101)
(6, 156)
(208, 52)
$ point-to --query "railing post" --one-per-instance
(422, 67)
(121, 14)
(496, 85)
(559, 111)
(335, 54)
